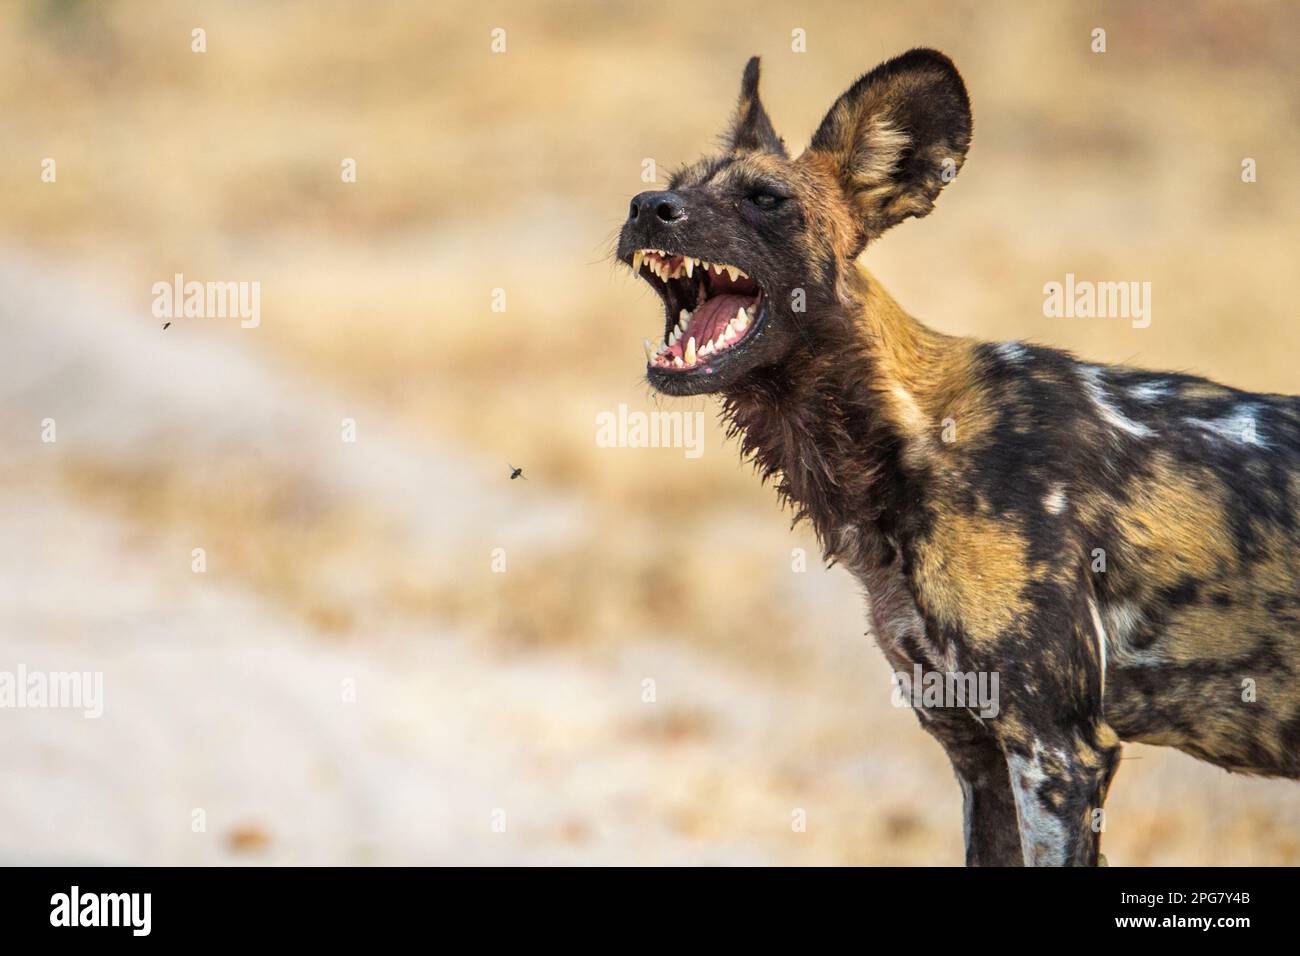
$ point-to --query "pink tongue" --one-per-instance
(708, 321)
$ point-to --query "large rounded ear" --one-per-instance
(897, 136)
(750, 128)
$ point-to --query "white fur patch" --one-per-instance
(1101, 642)
(1013, 352)
(1055, 500)
(1092, 384)
(1042, 835)
(1240, 426)
(1150, 391)
(1121, 621)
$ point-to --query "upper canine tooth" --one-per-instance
(636, 261)
(733, 272)
(690, 351)
(690, 266)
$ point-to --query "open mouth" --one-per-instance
(712, 308)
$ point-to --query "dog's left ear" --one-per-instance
(751, 129)
(897, 136)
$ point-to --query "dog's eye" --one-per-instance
(765, 200)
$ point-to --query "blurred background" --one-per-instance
(349, 680)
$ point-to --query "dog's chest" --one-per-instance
(896, 621)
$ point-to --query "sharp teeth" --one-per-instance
(707, 348)
(742, 319)
(677, 362)
(636, 261)
(733, 272)
(649, 353)
(718, 343)
(690, 266)
(717, 268)
(674, 335)
(690, 351)
(683, 319)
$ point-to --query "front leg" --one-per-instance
(1058, 754)
(1060, 782)
(1061, 754)
(989, 816)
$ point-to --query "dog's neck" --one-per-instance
(845, 425)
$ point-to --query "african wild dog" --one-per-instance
(975, 490)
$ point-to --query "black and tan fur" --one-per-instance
(978, 547)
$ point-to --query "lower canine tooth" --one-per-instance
(690, 351)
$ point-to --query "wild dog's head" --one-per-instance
(747, 249)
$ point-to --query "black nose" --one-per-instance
(667, 206)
